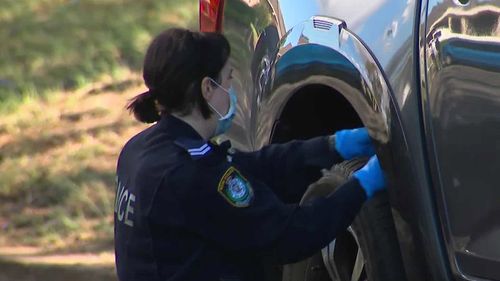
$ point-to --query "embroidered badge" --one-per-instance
(235, 188)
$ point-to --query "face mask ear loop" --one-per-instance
(213, 108)
(218, 85)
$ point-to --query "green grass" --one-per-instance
(67, 69)
(52, 45)
(57, 166)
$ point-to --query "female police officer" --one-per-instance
(188, 209)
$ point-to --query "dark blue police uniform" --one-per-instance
(190, 210)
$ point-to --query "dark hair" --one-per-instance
(175, 64)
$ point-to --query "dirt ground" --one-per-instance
(31, 264)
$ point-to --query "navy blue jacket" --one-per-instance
(186, 209)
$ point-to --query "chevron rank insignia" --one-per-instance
(196, 148)
(235, 188)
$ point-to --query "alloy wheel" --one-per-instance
(344, 258)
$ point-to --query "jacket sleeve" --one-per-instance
(289, 168)
(266, 227)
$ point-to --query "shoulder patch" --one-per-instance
(235, 188)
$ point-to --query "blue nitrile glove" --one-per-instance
(354, 143)
(371, 177)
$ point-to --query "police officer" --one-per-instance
(189, 209)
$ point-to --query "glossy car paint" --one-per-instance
(377, 54)
(259, 44)
(461, 101)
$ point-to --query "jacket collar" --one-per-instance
(185, 136)
(176, 128)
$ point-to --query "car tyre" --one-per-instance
(367, 250)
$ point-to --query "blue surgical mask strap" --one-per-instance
(224, 89)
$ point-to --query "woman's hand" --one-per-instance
(371, 177)
(354, 143)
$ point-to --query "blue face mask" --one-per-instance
(225, 121)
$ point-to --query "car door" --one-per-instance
(461, 103)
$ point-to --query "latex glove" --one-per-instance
(371, 177)
(354, 143)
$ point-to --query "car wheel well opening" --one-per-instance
(314, 110)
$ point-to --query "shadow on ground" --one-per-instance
(12, 270)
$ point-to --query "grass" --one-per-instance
(53, 45)
(67, 69)
(57, 165)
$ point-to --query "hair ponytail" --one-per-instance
(144, 108)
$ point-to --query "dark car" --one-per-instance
(424, 78)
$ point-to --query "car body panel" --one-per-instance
(262, 45)
(461, 101)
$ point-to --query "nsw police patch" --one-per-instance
(235, 188)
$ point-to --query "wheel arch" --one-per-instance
(322, 51)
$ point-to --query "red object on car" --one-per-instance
(211, 14)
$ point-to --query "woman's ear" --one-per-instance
(206, 88)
